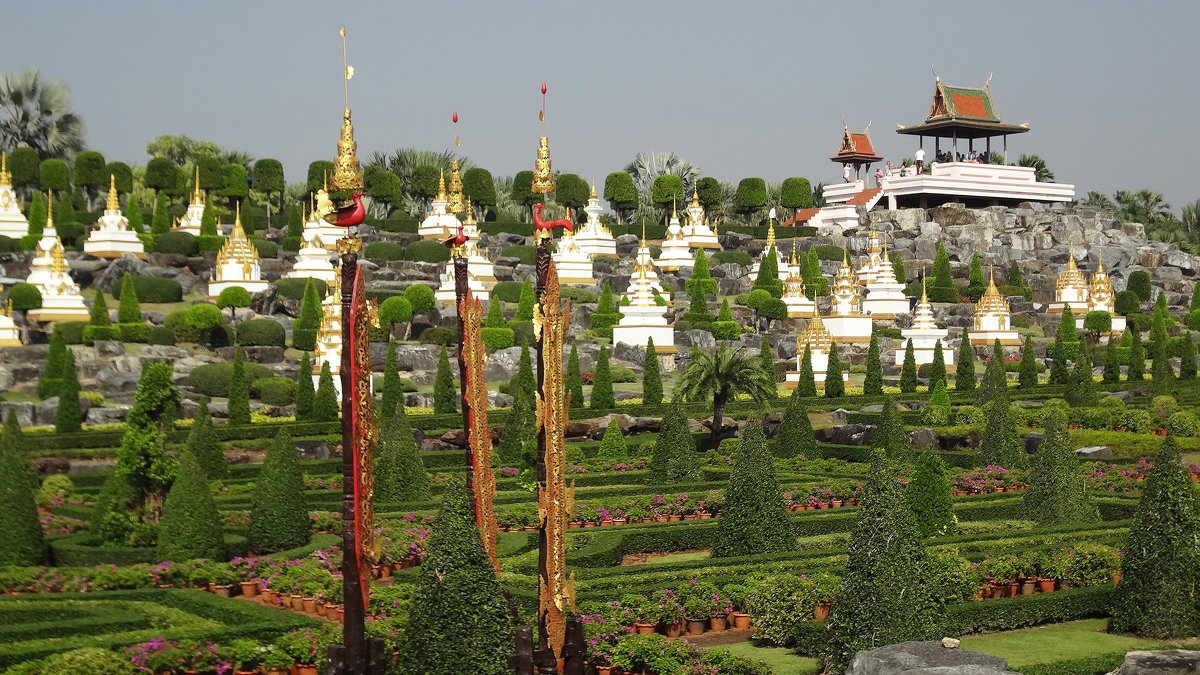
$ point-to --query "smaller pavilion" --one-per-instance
(482, 268)
(593, 238)
(697, 232)
(643, 318)
(798, 303)
(41, 269)
(780, 262)
(885, 296)
(676, 253)
(1101, 298)
(13, 223)
(573, 264)
(237, 263)
(328, 347)
(61, 300)
(857, 150)
(439, 223)
(925, 336)
(846, 322)
(10, 336)
(644, 273)
(191, 220)
(111, 237)
(992, 316)
(1071, 288)
(312, 260)
(818, 341)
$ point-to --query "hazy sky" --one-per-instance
(742, 89)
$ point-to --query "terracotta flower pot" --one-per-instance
(268, 596)
(306, 669)
(296, 602)
(673, 630)
(1013, 589)
(1028, 587)
(643, 628)
(249, 588)
(1046, 585)
(330, 610)
(310, 605)
(276, 671)
(1116, 578)
(223, 590)
(696, 627)
(341, 613)
(246, 672)
(605, 670)
(821, 611)
(718, 623)
(837, 503)
(741, 620)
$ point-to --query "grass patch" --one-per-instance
(687, 556)
(1057, 642)
(783, 661)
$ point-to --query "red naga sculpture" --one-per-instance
(547, 226)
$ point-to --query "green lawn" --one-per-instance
(1070, 640)
(782, 661)
(678, 557)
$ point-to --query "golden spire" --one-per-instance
(674, 212)
(50, 209)
(197, 196)
(770, 233)
(113, 203)
(347, 172)
(1071, 277)
(455, 202)
(924, 295)
(643, 233)
(695, 193)
(815, 336)
(470, 219)
(1100, 264)
(441, 193)
(543, 175)
(57, 265)
(991, 302)
(238, 231)
(792, 259)
(237, 249)
(885, 254)
(5, 176)
(592, 194)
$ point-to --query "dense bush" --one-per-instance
(160, 335)
(182, 243)
(277, 391)
(498, 338)
(755, 518)
(278, 511)
(191, 525)
(21, 540)
(153, 290)
(399, 474)
(383, 250)
(293, 288)
(261, 333)
(526, 254)
(421, 297)
(396, 309)
(24, 297)
(437, 335)
(427, 250)
(212, 379)
(507, 291)
(267, 250)
(928, 496)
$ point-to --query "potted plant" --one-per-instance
(1027, 565)
(1051, 570)
(698, 609)
(275, 661)
(669, 612)
(301, 646)
(822, 589)
(221, 579)
(245, 656)
(637, 613)
(736, 593)
(1001, 574)
(722, 608)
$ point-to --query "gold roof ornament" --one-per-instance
(992, 302)
(770, 235)
(1071, 277)
(470, 217)
(237, 247)
(695, 194)
(57, 264)
(5, 175)
(592, 194)
(815, 336)
(543, 175)
(49, 210)
(873, 241)
(114, 203)
(1100, 290)
(441, 193)
(455, 202)
(347, 172)
(197, 195)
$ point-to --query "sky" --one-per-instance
(742, 89)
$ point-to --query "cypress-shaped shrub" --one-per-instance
(613, 446)
(697, 315)
(1059, 370)
(68, 418)
(602, 391)
(308, 320)
(890, 436)
(574, 379)
(1058, 492)
(1112, 362)
(941, 287)
(1137, 356)
(1001, 445)
(754, 519)
(873, 383)
(1156, 597)
(56, 358)
(21, 541)
(1139, 283)
(937, 368)
(399, 473)
(701, 277)
(652, 385)
(1187, 357)
(964, 374)
(518, 428)
(526, 301)
(1081, 388)
(796, 438)
(458, 619)
(239, 390)
(768, 273)
(928, 496)
(392, 397)
(606, 316)
(834, 386)
(815, 283)
(674, 457)
(1162, 375)
(524, 379)
(100, 325)
(766, 357)
(160, 223)
(445, 394)
(191, 525)
(995, 380)
(908, 371)
(206, 447)
(278, 508)
(975, 284)
(1027, 376)
(129, 310)
(807, 386)
(725, 328)
(306, 394)
(325, 404)
(495, 331)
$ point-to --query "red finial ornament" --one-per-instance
(454, 117)
(543, 89)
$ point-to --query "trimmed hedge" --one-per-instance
(278, 391)
(526, 254)
(261, 333)
(293, 288)
(82, 550)
(182, 243)
(212, 379)
(427, 250)
(134, 332)
(383, 250)
(153, 289)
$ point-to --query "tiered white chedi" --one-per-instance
(12, 222)
(870, 269)
(191, 220)
(483, 269)
(314, 225)
(818, 341)
(643, 318)
(593, 238)
(439, 223)
(885, 296)
(1101, 299)
(676, 253)
(1071, 288)
(780, 264)
(446, 291)
(112, 237)
(924, 335)
(328, 349)
(794, 296)
(992, 315)
(237, 263)
(40, 270)
(643, 271)
(697, 233)
(61, 300)
(846, 322)
(573, 264)
(9, 335)
(312, 261)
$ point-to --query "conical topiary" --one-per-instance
(834, 386)
(325, 405)
(795, 437)
(445, 394)
(674, 456)
(652, 385)
(305, 392)
(278, 508)
(21, 541)
(1027, 377)
(873, 383)
(574, 379)
(69, 416)
(602, 391)
(1058, 493)
(908, 371)
(613, 446)
(129, 310)
(56, 358)
(239, 390)
(206, 447)
(964, 374)
(807, 385)
(191, 525)
(928, 496)
(399, 472)
(755, 518)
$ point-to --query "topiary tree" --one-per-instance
(873, 383)
(458, 620)
(191, 525)
(898, 268)
(35, 213)
(129, 311)
(574, 379)
(667, 189)
(768, 274)
(1112, 363)
(1162, 375)
(725, 328)
(278, 507)
(882, 598)
(526, 301)
(1027, 377)
(518, 428)
(21, 541)
(98, 315)
(1127, 303)
(305, 392)
(56, 359)
(796, 193)
(975, 284)
(941, 288)
(421, 298)
(1139, 283)
(239, 390)
(796, 438)
(674, 457)
(937, 369)
(480, 188)
(1137, 357)
(68, 418)
(524, 381)
(606, 316)
(937, 413)
(399, 472)
(890, 435)
(1058, 492)
(1059, 372)
(710, 192)
(571, 191)
(1081, 388)
(325, 403)
(995, 380)
(750, 197)
(928, 496)
(1001, 445)
(754, 519)
(1097, 323)
(834, 386)
(652, 385)
(807, 384)
(206, 447)
(445, 394)
(394, 310)
(1187, 357)
(308, 320)
(766, 357)
(701, 276)
(393, 392)
(621, 193)
(613, 446)
(54, 174)
(964, 374)
(1156, 597)
(908, 371)
(133, 214)
(815, 283)
(697, 314)
(602, 391)
(232, 298)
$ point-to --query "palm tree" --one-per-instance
(647, 166)
(1099, 200)
(402, 162)
(1043, 174)
(1191, 216)
(723, 373)
(37, 113)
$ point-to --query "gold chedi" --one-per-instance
(347, 172)
(543, 176)
(992, 317)
(455, 202)
(1071, 288)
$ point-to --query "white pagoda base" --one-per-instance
(987, 338)
(820, 364)
(114, 244)
(1118, 324)
(13, 225)
(675, 256)
(595, 243)
(251, 285)
(313, 262)
(9, 335)
(640, 324)
(484, 270)
(1078, 306)
(843, 329)
(445, 293)
(574, 268)
(924, 343)
(438, 226)
(885, 300)
(798, 306)
(701, 236)
(60, 308)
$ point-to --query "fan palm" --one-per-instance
(1191, 216)
(647, 166)
(1041, 171)
(37, 113)
(402, 162)
(1099, 200)
(724, 373)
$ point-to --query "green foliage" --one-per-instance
(526, 302)
(35, 213)
(1127, 302)
(815, 283)
(458, 622)
(883, 598)
(1059, 372)
(1081, 388)
(725, 328)
(308, 320)
(1187, 357)
(995, 379)
(796, 193)
(392, 397)
(305, 392)
(574, 380)
(908, 371)
(750, 196)
(606, 316)
(205, 447)
(807, 386)
(527, 255)
(674, 458)
(25, 297)
(898, 268)
(208, 222)
(667, 189)
(427, 250)
(1137, 357)
(768, 273)
(928, 497)
(964, 375)
(326, 407)
(191, 525)
(620, 192)
(975, 283)
(183, 243)
(755, 518)
(56, 358)
(24, 163)
(239, 390)
(99, 310)
(701, 276)
(1058, 493)
(399, 473)
(133, 213)
(260, 332)
(1112, 363)
(571, 191)
(276, 391)
(1001, 445)
(1156, 597)
(834, 386)
(873, 384)
(278, 509)
(613, 446)
(445, 393)
(54, 174)
(479, 187)
(1099, 322)
(268, 176)
(698, 316)
(796, 438)
(890, 435)
(21, 540)
(652, 385)
(234, 297)
(213, 379)
(420, 297)
(602, 391)
(68, 418)
(1139, 283)
(941, 285)
(1027, 375)
(396, 309)
(129, 311)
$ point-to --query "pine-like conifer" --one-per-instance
(399, 472)
(1027, 377)
(239, 390)
(129, 310)
(1081, 388)
(190, 527)
(1058, 493)
(1112, 362)
(68, 419)
(1162, 375)
(1001, 445)
(325, 403)
(160, 223)
(796, 437)
(768, 273)
(524, 379)
(21, 541)
(975, 283)
(308, 320)
(928, 496)
(574, 381)
(652, 385)
(206, 447)
(701, 276)
(1137, 357)
(525, 301)
(964, 374)
(278, 507)
(755, 518)
(995, 379)
(445, 394)
(890, 435)
(602, 391)
(56, 358)
(133, 213)
(1059, 371)
(1187, 357)
(941, 284)
(908, 371)
(613, 446)
(393, 391)
(305, 392)
(834, 386)
(937, 368)
(873, 384)
(807, 386)
(674, 458)
(99, 311)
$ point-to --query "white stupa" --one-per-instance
(781, 265)
(675, 254)
(111, 236)
(885, 296)
(61, 300)
(13, 223)
(1071, 288)
(9, 335)
(574, 266)
(481, 268)
(439, 223)
(992, 315)
(445, 292)
(190, 222)
(870, 269)
(41, 269)
(593, 238)
(328, 347)
(644, 274)
(1101, 298)
(925, 335)
(846, 322)
(697, 232)
(237, 263)
(818, 340)
(798, 304)
(312, 260)
(643, 318)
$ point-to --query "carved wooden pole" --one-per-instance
(460, 294)
(354, 626)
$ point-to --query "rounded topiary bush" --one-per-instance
(439, 336)
(266, 249)
(508, 291)
(160, 335)
(396, 309)
(153, 290)
(25, 297)
(182, 243)
(275, 390)
(421, 298)
(427, 250)
(212, 379)
(497, 338)
(94, 334)
(383, 250)
(293, 289)
(9, 245)
(261, 333)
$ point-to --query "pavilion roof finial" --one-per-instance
(935, 75)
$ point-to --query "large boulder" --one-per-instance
(926, 658)
(1165, 662)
